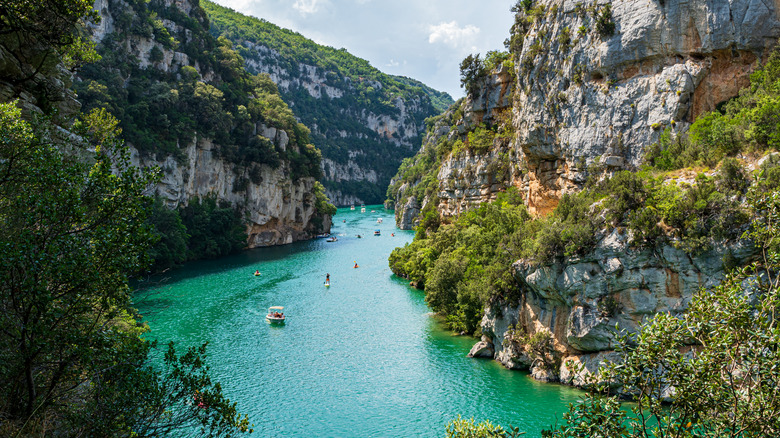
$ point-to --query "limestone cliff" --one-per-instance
(364, 121)
(578, 301)
(588, 96)
(157, 76)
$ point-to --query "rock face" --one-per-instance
(581, 100)
(578, 301)
(587, 98)
(278, 209)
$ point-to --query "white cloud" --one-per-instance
(307, 6)
(452, 35)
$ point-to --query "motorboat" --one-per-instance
(377, 233)
(333, 239)
(362, 208)
(322, 236)
(379, 221)
(275, 315)
(351, 207)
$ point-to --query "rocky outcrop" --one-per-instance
(589, 98)
(581, 100)
(278, 209)
(579, 301)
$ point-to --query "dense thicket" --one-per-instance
(72, 229)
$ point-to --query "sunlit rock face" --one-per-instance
(579, 300)
(585, 98)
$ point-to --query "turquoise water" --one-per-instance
(362, 358)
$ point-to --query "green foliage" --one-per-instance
(72, 360)
(605, 24)
(162, 113)
(170, 236)
(747, 123)
(462, 428)
(465, 264)
(214, 230)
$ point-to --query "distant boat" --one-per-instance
(379, 221)
(377, 233)
(351, 207)
(333, 239)
(362, 208)
(322, 236)
(275, 315)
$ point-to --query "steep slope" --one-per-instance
(187, 105)
(603, 191)
(596, 84)
(364, 121)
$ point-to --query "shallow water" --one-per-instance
(361, 358)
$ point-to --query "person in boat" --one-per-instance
(356, 265)
(257, 272)
(392, 234)
(327, 278)
(359, 236)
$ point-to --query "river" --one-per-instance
(361, 358)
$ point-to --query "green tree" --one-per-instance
(72, 228)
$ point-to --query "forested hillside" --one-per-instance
(239, 169)
(364, 121)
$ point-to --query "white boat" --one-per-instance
(333, 239)
(275, 315)
(379, 221)
(351, 207)
(362, 208)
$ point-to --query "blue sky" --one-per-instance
(421, 39)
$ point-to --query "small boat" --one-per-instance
(362, 208)
(322, 236)
(275, 315)
(377, 233)
(351, 207)
(333, 239)
(379, 221)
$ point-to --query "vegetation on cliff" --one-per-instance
(363, 90)
(162, 112)
(713, 372)
(660, 204)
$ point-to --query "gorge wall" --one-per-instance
(365, 122)
(156, 79)
(578, 302)
(584, 100)
(593, 86)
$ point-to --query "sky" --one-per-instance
(422, 39)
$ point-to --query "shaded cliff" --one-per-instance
(187, 104)
(364, 121)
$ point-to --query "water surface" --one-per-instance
(361, 358)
